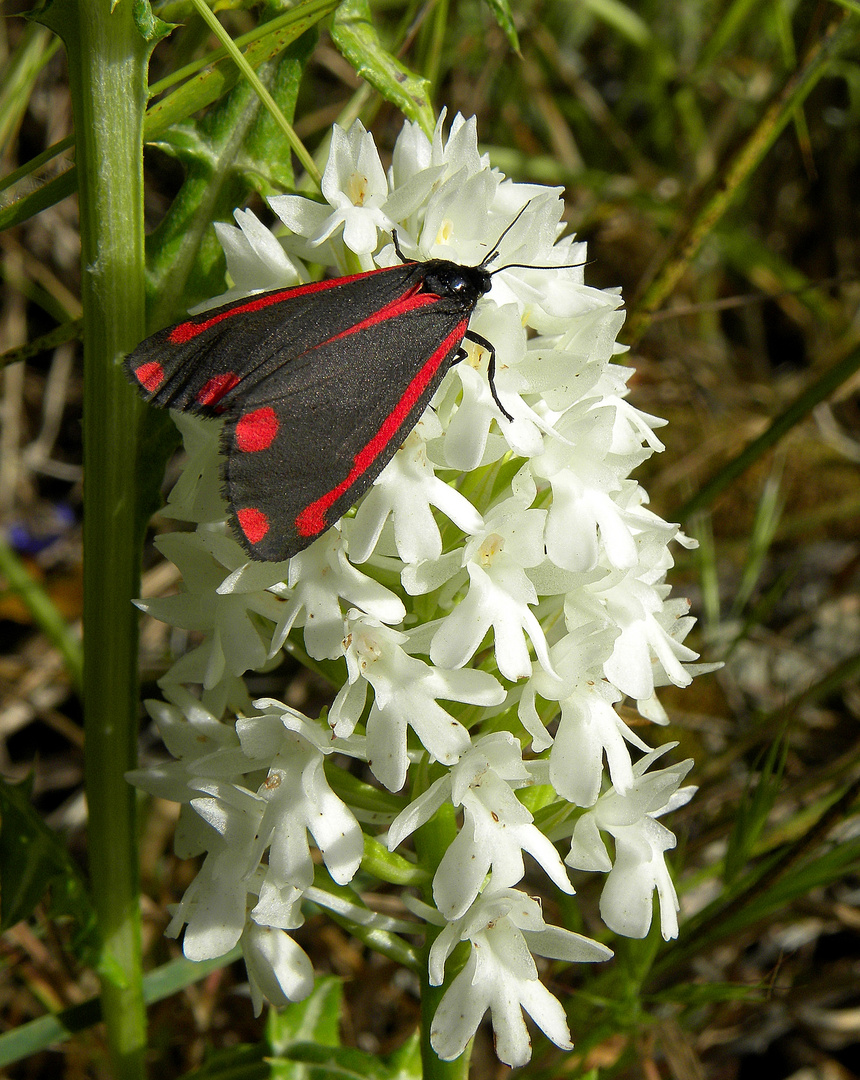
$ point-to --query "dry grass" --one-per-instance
(642, 134)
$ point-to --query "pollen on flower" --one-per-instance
(370, 651)
(490, 548)
(445, 231)
(356, 189)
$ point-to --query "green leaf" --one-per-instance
(20, 1042)
(623, 19)
(698, 994)
(336, 1063)
(266, 160)
(388, 866)
(196, 94)
(234, 150)
(34, 860)
(316, 1019)
(152, 29)
(348, 910)
(502, 11)
(243, 1062)
(406, 1061)
(22, 68)
(203, 89)
(361, 795)
(752, 812)
(355, 36)
(825, 385)
(48, 195)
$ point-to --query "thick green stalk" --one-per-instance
(107, 69)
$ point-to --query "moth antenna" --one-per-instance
(493, 253)
(531, 266)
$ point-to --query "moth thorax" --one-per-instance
(466, 284)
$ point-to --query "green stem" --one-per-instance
(107, 68)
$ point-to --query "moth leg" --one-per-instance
(491, 366)
(400, 254)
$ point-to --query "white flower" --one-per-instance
(319, 577)
(648, 626)
(405, 491)
(497, 544)
(202, 745)
(252, 251)
(499, 595)
(214, 907)
(298, 801)
(496, 830)
(589, 726)
(279, 970)
(234, 641)
(640, 842)
(504, 929)
(196, 495)
(355, 188)
(405, 691)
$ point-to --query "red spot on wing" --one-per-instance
(188, 330)
(150, 375)
(253, 523)
(256, 430)
(212, 391)
(312, 519)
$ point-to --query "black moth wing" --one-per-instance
(203, 364)
(318, 385)
(330, 421)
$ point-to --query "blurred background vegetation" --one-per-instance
(710, 155)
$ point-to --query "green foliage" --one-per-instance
(302, 1042)
(233, 150)
(754, 811)
(695, 131)
(35, 865)
(326, 1063)
(354, 33)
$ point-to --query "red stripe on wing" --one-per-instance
(211, 392)
(312, 519)
(413, 298)
(187, 330)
